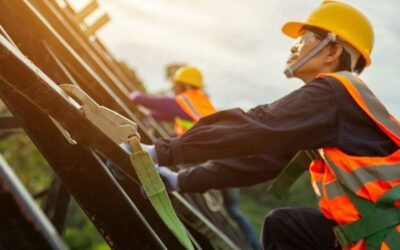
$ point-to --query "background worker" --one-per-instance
(337, 113)
(189, 104)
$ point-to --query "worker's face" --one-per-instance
(302, 47)
(178, 88)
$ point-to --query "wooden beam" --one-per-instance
(9, 124)
(86, 11)
(92, 29)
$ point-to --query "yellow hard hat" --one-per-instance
(348, 23)
(189, 75)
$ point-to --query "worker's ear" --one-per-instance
(334, 52)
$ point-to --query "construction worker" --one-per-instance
(187, 107)
(189, 104)
(334, 112)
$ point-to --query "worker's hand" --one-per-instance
(169, 177)
(151, 149)
(134, 95)
(126, 147)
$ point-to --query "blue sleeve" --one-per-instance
(161, 107)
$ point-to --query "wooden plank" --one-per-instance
(86, 11)
(98, 24)
(73, 30)
(9, 124)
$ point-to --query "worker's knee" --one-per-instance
(275, 220)
(273, 227)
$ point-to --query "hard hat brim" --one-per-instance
(293, 29)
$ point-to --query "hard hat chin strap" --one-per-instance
(289, 71)
(354, 54)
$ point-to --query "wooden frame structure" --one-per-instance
(43, 44)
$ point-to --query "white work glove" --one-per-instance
(126, 147)
(169, 177)
(151, 149)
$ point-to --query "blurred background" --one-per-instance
(237, 44)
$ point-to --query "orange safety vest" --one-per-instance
(196, 104)
(338, 173)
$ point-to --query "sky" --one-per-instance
(237, 44)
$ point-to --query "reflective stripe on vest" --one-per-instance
(181, 125)
(366, 177)
(196, 104)
(369, 104)
(189, 106)
(360, 177)
(334, 189)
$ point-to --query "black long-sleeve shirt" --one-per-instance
(319, 114)
(233, 172)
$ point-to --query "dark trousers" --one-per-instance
(297, 228)
(231, 204)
